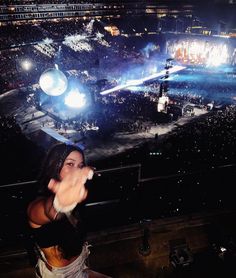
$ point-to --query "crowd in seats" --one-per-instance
(205, 143)
(18, 153)
(14, 35)
(46, 44)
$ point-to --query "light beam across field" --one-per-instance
(137, 82)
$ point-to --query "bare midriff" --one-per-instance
(54, 257)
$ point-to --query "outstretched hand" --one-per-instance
(71, 189)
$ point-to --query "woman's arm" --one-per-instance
(41, 211)
(66, 194)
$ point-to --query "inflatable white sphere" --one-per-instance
(53, 82)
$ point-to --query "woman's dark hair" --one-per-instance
(53, 163)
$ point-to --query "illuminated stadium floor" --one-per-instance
(32, 121)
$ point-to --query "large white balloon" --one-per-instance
(53, 82)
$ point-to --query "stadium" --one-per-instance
(150, 98)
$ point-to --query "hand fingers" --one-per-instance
(72, 187)
(52, 185)
(86, 173)
(76, 177)
(90, 174)
(82, 175)
(83, 193)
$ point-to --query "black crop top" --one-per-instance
(62, 233)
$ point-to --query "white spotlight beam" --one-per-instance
(137, 82)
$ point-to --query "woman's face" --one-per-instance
(72, 161)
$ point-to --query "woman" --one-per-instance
(58, 233)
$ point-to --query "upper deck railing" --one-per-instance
(121, 196)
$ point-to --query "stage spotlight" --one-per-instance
(75, 99)
(26, 65)
(53, 82)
